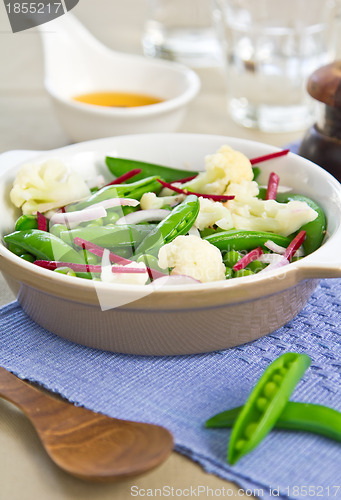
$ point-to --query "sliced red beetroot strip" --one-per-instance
(253, 161)
(136, 171)
(154, 274)
(86, 268)
(97, 250)
(185, 179)
(117, 259)
(271, 191)
(87, 263)
(248, 258)
(125, 177)
(270, 156)
(294, 245)
(214, 197)
(173, 188)
(42, 222)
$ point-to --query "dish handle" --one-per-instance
(324, 262)
(10, 159)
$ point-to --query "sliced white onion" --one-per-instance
(270, 258)
(300, 252)
(72, 218)
(94, 182)
(194, 232)
(143, 216)
(275, 265)
(50, 213)
(114, 202)
(176, 199)
(56, 205)
(271, 245)
(175, 279)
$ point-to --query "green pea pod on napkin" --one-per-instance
(265, 404)
(304, 417)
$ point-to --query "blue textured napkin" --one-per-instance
(181, 392)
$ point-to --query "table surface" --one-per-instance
(28, 122)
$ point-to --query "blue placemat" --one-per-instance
(181, 392)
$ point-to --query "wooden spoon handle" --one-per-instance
(26, 397)
(86, 444)
(46, 412)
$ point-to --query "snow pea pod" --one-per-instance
(70, 272)
(231, 258)
(43, 245)
(256, 173)
(316, 229)
(120, 166)
(242, 272)
(305, 417)
(28, 257)
(65, 270)
(26, 222)
(110, 236)
(16, 249)
(57, 229)
(134, 190)
(236, 239)
(266, 403)
(178, 222)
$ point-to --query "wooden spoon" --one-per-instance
(86, 444)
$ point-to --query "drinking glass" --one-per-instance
(270, 47)
(182, 30)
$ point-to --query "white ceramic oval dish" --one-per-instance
(178, 319)
(77, 63)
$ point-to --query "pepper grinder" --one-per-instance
(322, 142)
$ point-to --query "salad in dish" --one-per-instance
(157, 223)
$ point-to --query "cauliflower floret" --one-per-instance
(223, 167)
(236, 163)
(250, 213)
(213, 212)
(126, 278)
(151, 201)
(243, 190)
(43, 187)
(192, 256)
